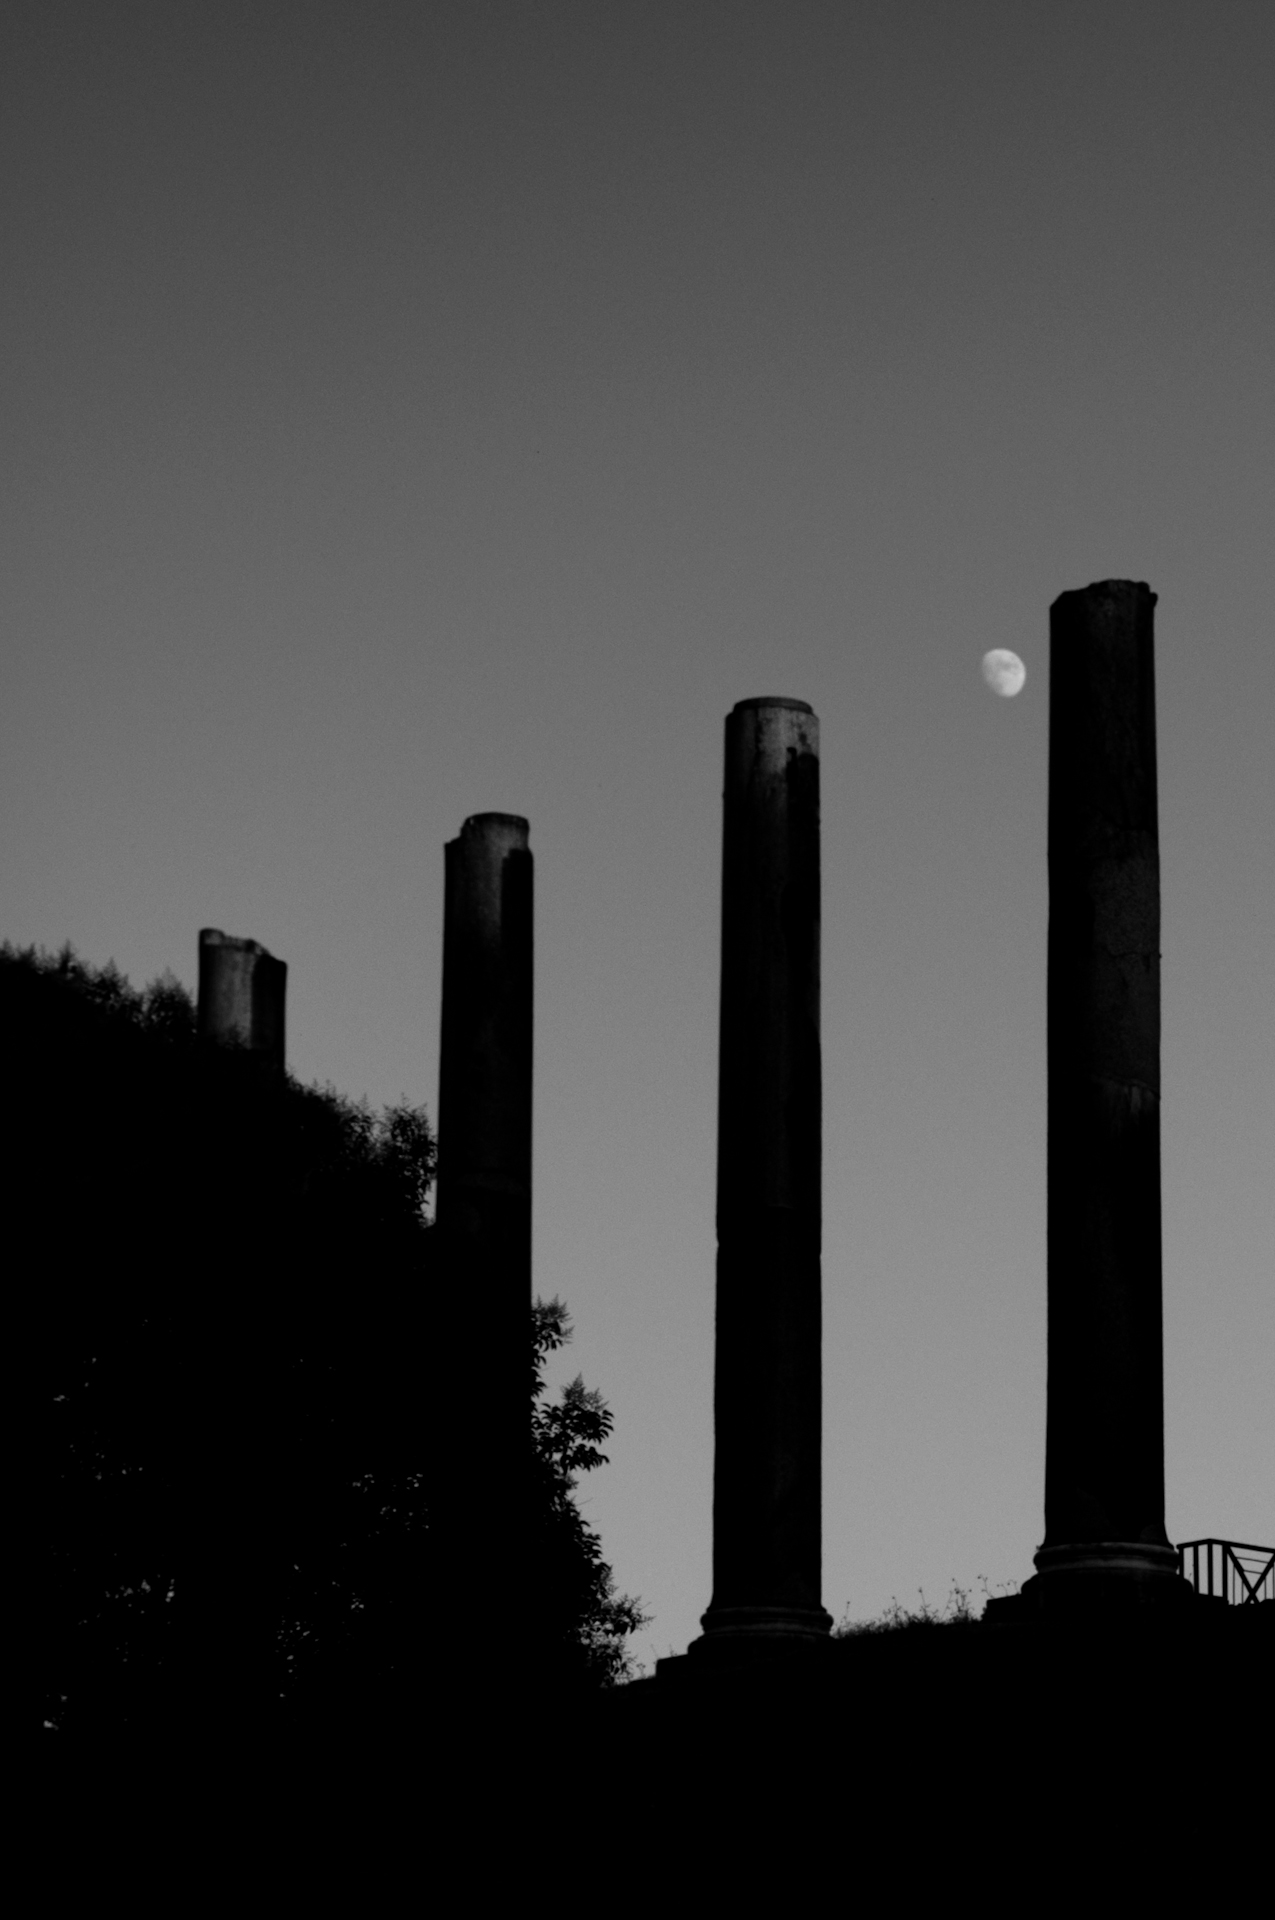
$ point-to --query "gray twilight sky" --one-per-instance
(412, 410)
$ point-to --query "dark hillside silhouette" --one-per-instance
(238, 1337)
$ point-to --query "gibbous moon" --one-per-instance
(1004, 672)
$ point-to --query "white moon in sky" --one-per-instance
(1004, 672)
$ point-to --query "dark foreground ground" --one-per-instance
(938, 1757)
(1105, 1765)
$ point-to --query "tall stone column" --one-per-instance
(1104, 1458)
(233, 1355)
(767, 1401)
(484, 1214)
(241, 995)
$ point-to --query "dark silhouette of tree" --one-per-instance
(582, 1623)
(237, 1325)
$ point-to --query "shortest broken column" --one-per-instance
(235, 1453)
(241, 995)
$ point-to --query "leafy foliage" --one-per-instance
(587, 1621)
(236, 1322)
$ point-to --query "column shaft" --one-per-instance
(484, 1213)
(1104, 1472)
(767, 1401)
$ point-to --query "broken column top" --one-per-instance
(241, 994)
(1114, 589)
(767, 739)
(517, 828)
(214, 937)
(1102, 757)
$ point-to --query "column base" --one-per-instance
(1098, 1578)
(751, 1633)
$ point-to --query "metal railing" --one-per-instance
(1229, 1570)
